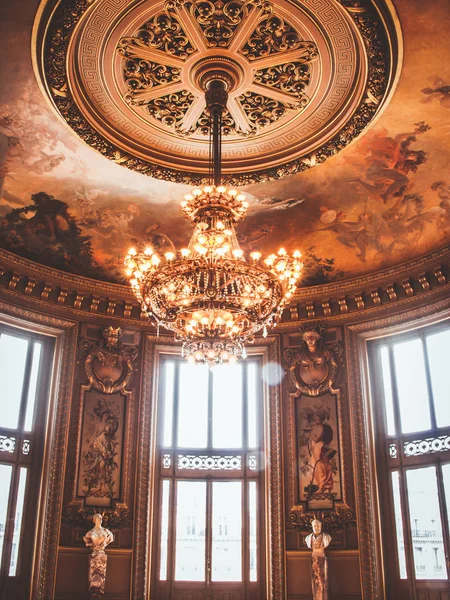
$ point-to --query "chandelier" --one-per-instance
(213, 297)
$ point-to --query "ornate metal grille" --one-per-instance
(427, 445)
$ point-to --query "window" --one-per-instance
(210, 475)
(411, 395)
(24, 364)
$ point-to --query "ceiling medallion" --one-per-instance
(304, 78)
(209, 294)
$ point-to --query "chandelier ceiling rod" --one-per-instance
(216, 97)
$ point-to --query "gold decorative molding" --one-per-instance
(108, 368)
(41, 287)
(329, 70)
(111, 357)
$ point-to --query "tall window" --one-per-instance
(209, 539)
(411, 390)
(24, 375)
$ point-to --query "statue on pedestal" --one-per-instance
(318, 541)
(97, 539)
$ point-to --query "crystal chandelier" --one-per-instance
(209, 294)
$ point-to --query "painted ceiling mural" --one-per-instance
(381, 201)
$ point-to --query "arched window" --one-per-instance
(411, 399)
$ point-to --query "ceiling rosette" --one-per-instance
(305, 78)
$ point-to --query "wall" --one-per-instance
(39, 296)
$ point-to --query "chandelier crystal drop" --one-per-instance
(213, 297)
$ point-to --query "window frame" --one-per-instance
(391, 456)
(44, 541)
(244, 475)
(154, 347)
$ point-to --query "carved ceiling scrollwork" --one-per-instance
(276, 35)
(150, 62)
(163, 32)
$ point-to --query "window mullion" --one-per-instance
(429, 386)
(398, 427)
(210, 410)
(407, 534)
(25, 390)
(208, 533)
(10, 519)
(175, 407)
(444, 516)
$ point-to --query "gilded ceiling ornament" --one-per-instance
(275, 35)
(270, 56)
(261, 110)
(219, 20)
(292, 77)
(141, 74)
(162, 32)
(229, 127)
(170, 109)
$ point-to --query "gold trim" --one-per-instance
(372, 294)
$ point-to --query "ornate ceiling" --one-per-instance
(339, 114)
(305, 78)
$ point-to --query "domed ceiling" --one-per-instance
(341, 143)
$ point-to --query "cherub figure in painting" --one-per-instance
(390, 161)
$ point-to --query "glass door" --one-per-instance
(412, 405)
(211, 473)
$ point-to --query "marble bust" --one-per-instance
(317, 541)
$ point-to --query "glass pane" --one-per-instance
(18, 521)
(252, 411)
(426, 527)
(227, 406)
(193, 406)
(446, 477)
(412, 390)
(13, 355)
(164, 529)
(387, 387)
(169, 382)
(190, 531)
(226, 556)
(5, 482)
(437, 346)
(252, 542)
(399, 525)
(31, 400)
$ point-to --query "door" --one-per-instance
(412, 414)
(210, 518)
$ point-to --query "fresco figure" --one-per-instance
(100, 463)
(319, 438)
(439, 90)
(389, 163)
(317, 541)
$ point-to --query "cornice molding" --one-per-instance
(390, 290)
